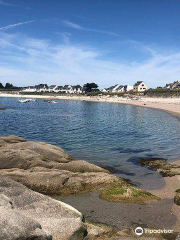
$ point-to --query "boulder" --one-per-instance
(97, 230)
(18, 226)
(12, 139)
(177, 198)
(60, 182)
(29, 215)
(26, 155)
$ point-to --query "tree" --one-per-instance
(77, 86)
(1, 85)
(9, 86)
(90, 87)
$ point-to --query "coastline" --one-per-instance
(170, 105)
(167, 193)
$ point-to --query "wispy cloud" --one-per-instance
(3, 3)
(15, 25)
(29, 61)
(78, 27)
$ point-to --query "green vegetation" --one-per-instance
(162, 166)
(90, 87)
(162, 92)
(7, 86)
(125, 193)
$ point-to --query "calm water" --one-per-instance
(103, 133)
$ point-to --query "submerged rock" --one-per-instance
(161, 165)
(29, 215)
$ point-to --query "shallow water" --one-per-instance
(108, 134)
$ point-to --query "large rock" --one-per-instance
(60, 182)
(48, 169)
(25, 214)
(26, 155)
(10, 139)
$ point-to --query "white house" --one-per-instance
(41, 88)
(29, 89)
(140, 86)
(128, 88)
(114, 89)
(53, 88)
(77, 89)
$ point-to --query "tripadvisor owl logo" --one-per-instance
(139, 231)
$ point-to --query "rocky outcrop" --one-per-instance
(60, 182)
(26, 155)
(48, 169)
(10, 139)
(161, 165)
(29, 215)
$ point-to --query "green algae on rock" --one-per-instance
(126, 193)
(162, 166)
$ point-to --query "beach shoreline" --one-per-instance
(170, 105)
(167, 193)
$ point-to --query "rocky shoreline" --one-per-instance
(30, 169)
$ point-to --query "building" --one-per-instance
(41, 88)
(78, 89)
(118, 88)
(29, 89)
(114, 89)
(53, 88)
(70, 89)
(128, 88)
(140, 86)
(174, 85)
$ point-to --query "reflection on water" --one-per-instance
(108, 134)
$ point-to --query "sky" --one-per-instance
(78, 41)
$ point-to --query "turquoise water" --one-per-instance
(107, 134)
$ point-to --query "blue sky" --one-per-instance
(78, 41)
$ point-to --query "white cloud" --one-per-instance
(15, 25)
(78, 27)
(3, 3)
(27, 61)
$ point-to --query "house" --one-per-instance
(174, 85)
(114, 89)
(53, 88)
(69, 89)
(41, 88)
(29, 89)
(77, 89)
(140, 86)
(128, 88)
